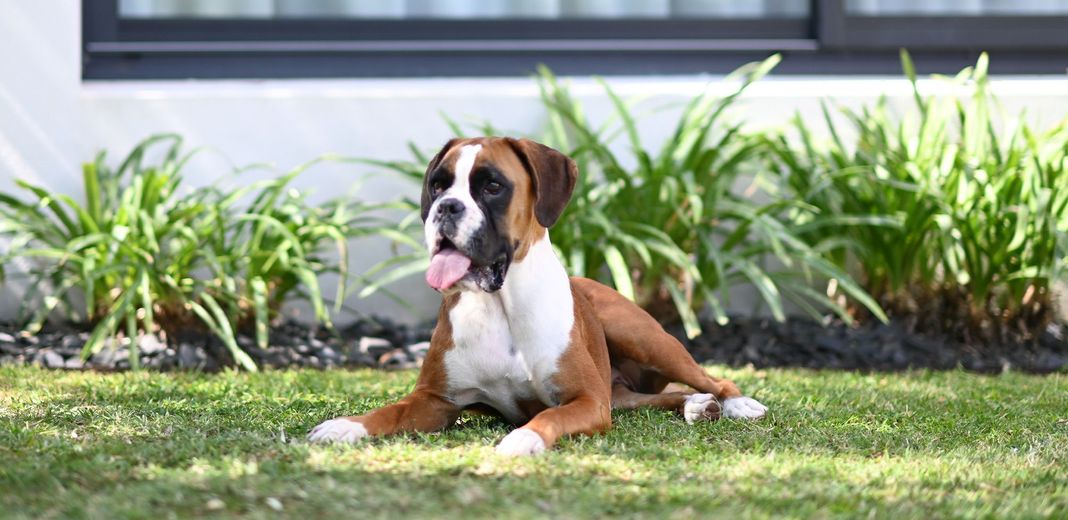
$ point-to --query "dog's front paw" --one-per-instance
(341, 429)
(743, 408)
(521, 442)
(700, 407)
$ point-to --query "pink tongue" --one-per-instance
(446, 268)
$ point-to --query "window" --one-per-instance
(1005, 25)
(452, 9)
(158, 39)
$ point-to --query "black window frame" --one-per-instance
(828, 41)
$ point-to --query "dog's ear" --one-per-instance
(553, 175)
(424, 199)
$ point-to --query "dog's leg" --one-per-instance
(683, 369)
(692, 406)
(664, 354)
(633, 334)
(426, 409)
(583, 383)
(421, 411)
(586, 414)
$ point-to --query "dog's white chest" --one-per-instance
(490, 364)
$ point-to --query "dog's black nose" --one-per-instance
(451, 207)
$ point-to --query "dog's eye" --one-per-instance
(493, 188)
(436, 188)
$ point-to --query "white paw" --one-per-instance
(743, 408)
(700, 407)
(521, 442)
(338, 430)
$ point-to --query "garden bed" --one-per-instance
(374, 343)
(381, 343)
(941, 215)
(801, 342)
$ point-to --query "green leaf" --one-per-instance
(415, 264)
(259, 300)
(147, 302)
(765, 286)
(617, 266)
(689, 318)
(215, 318)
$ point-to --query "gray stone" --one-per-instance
(150, 345)
(109, 357)
(276, 357)
(397, 359)
(169, 363)
(375, 347)
(10, 348)
(48, 358)
(190, 356)
(358, 359)
(1050, 362)
(330, 355)
(71, 344)
(74, 363)
(6, 338)
(419, 350)
(1054, 330)
(246, 342)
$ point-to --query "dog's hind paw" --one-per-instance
(700, 407)
(743, 408)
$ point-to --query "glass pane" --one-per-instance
(956, 7)
(465, 9)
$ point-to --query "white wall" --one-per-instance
(40, 101)
(50, 121)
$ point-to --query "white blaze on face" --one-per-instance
(460, 189)
(447, 267)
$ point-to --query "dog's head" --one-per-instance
(485, 201)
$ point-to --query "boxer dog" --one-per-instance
(516, 336)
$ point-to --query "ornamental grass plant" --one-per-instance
(669, 227)
(952, 214)
(145, 253)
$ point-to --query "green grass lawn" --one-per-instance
(917, 445)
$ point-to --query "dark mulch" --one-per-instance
(376, 343)
(381, 343)
(802, 342)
